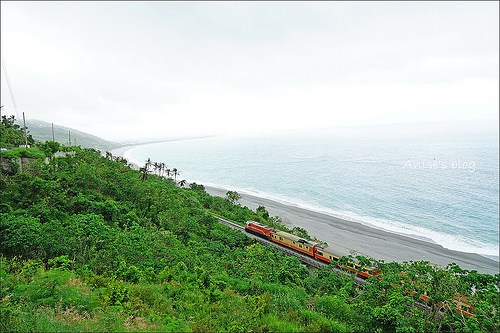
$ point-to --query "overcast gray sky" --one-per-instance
(124, 70)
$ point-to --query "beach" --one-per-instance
(354, 238)
(348, 237)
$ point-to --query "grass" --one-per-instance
(24, 152)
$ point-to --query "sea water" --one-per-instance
(440, 188)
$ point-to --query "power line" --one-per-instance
(10, 88)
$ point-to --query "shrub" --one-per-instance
(24, 152)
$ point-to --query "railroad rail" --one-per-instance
(311, 262)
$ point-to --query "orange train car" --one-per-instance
(315, 250)
(294, 242)
(462, 305)
(283, 238)
(364, 272)
(310, 248)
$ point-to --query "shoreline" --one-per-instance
(355, 238)
(120, 151)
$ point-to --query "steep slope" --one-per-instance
(42, 131)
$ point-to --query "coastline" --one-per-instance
(358, 239)
(120, 151)
(348, 237)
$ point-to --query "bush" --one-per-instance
(272, 323)
(20, 236)
(50, 147)
(24, 152)
(334, 307)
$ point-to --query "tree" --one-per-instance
(162, 168)
(148, 164)
(197, 187)
(20, 236)
(182, 183)
(11, 134)
(175, 173)
(261, 210)
(232, 197)
(51, 147)
(156, 167)
(144, 173)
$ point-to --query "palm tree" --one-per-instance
(148, 164)
(175, 172)
(168, 172)
(156, 167)
(182, 183)
(144, 173)
(162, 168)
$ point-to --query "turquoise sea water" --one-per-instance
(443, 189)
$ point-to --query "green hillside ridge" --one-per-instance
(42, 131)
(90, 244)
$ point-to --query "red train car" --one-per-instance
(315, 250)
(258, 229)
(312, 249)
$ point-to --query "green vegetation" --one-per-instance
(23, 152)
(89, 244)
(11, 134)
(42, 131)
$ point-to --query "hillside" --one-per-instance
(90, 244)
(42, 131)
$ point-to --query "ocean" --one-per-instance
(441, 186)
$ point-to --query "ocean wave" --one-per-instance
(403, 188)
(131, 159)
(450, 242)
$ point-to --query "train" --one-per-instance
(325, 254)
(460, 303)
(312, 249)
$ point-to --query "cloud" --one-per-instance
(125, 69)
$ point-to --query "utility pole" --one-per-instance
(25, 136)
(53, 137)
(1, 155)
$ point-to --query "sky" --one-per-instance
(149, 70)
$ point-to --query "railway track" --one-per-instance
(311, 262)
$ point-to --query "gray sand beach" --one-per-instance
(354, 238)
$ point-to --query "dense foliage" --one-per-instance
(43, 131)
(89, 244)
(11, 134)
